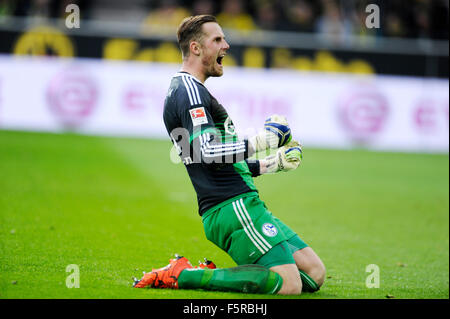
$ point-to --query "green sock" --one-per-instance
(245, 278)
(309, 285)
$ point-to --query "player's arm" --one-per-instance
(206, 143)
(276, 133)
(212, 150)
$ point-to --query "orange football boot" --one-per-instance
(206, 264)
(165, 277)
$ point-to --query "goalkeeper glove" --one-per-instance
(276, 134)
(287, 158)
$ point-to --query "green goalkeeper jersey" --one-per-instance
(204, 135)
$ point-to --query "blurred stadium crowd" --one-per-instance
(398, 18)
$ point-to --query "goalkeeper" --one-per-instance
(271, 258)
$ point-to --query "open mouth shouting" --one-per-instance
(219, 59)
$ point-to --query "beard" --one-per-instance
(211, 67)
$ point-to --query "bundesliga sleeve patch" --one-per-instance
(198, 116)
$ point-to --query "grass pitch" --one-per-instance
(117, 207)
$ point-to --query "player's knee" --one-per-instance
(310, 263)
(318, 273)
(292, 283)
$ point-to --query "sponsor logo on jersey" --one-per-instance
(198, 116)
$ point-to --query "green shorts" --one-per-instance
(245, 229)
